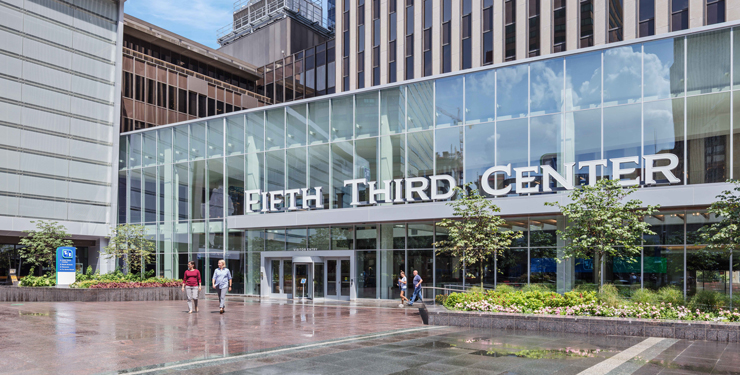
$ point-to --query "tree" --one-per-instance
(129, 244)
(474, 234)
(41, 244)
(601, 224)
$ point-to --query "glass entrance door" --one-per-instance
(338, 278)
(303, 281)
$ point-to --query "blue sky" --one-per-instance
(198, 20)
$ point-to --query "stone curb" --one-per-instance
(709, 331)
(28, 294)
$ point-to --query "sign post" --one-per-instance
(66, 257)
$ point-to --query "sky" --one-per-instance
(198, 20)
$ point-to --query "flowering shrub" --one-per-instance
(149, 283)
(581, 304)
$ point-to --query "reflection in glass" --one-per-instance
(318, 122)
(198, 190)
(296, 125)
(275, 163)
(708, 58)
(548, 146)
(318, 171)
(341, 118)
(215, 138)
(219, 204)
(449, 272)
(708, 126)
(449, 155)
(341, 195)
(392, 236)
(366, 237)
(295, 238)
(586, 127)
(342, 238)
(296, 171)
(149, 148)
(707, 271)
(420, 155)
(663, 71)
(479, 97)
(663, 133)
(392, 111)
(420, 236)
(423, 262)
(668, 228)
(367, 270)
(736, 137)
(255, 132)
(583, 81)
(449, 101)
(134, 153)
(390, 265)
(255, 175)
(511, 92)
(235, 182)
(622, 138)
(366, 114)
(542, 231)
(622, 75)
(150, 194)
(366, 165)
(235, 135)
(275, 129)
(181, 143)
(275, 239)
(511, 265)
(420, 109)
(480, 153)
(546, 87)
(511, 148)
(663, 266)
(391, 158)
(319, 238)
(197, 141)
(543, 267)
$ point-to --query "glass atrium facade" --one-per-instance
(663, 96)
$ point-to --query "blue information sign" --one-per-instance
(66, 269)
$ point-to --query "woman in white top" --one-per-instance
(402, 284)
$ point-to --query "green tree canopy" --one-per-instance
(129, 243)
(724, 234)
(41, 244)
(475, 233)
(601, 224)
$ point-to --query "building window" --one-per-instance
(510, 30)
(616, 21)
(558, 41)
(587, 23)
(715, 11)
(534, 28)
(446, 36)
(647, 17)
(679, 15)
(345, 47)
(467, 33)
(409, 39)
(427, 39)
(128, 85)
(487, 31)
(392, 24)
(376, 42)
(360, 44)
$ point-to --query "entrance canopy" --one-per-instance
(306, 259)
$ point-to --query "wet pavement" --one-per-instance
(284, 338)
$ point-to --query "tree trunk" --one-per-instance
(481, 274)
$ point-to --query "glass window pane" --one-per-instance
(448, 149)
(135, 201)
(255, 132)
(420, 154)
(235, 135)
(392, 157)
(235, 183)
(622, 75)
(420, 109)
(123, 152)
(219, 204)
(392, 111)
(708, 129)
(341, 118)
(275, 239)
(622, 137)
(480, 153)
(512, 268)
(366, 114)
(164, 146)
(318, 122)
(583, 81)
(546, 87)
(134, 153)
(511, 92)
(342, 238)
(296, 125)
(543, 230)
(449, 101)
(547, 146)
(255, 175)
(275, 129)
(366, 237)
(421, 236)
(318, 171)
(663, 133)
(341, 159)
(511, 148)
(664, 73)
(216, 138)
(663, 266)
(736, 56)
(296, 169)
(393, 236)
(319, 238)
(423, 262)
(181, 143)
(197, 141)
(668, 228)
(198, 190)
(150, 194)
(181, 176)
(275, 161)
(366, 165)
(708, 58)
(296, 238)
(586, 125)
(479, 94)
(149, 148)
(543, 267)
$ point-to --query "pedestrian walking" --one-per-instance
(402, 285)
(191, 285)
(221, 281)
(417, 288)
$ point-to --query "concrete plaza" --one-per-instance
(270, 337)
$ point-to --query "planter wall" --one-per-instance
(21, 294)
(723, 332)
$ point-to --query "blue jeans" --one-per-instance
(417, 294)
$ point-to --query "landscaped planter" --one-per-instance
(690, 330)
(23, 294)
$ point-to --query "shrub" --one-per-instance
(609, 295)
(708, 300)
(440, 299)
(475, 289)
(38, 281)
(644, 296)
(504, 288)
(546, 288)
(672, 295)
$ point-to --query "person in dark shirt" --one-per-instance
(191, 281)
(417, 288)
